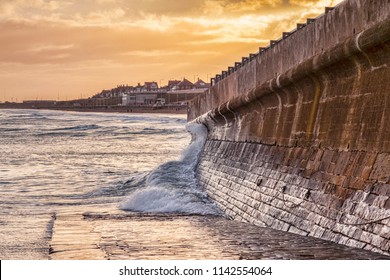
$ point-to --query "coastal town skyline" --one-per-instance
(70, 49)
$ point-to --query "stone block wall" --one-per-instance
(309, 191)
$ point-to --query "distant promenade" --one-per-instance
(166, 109)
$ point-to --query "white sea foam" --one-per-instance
(171, 187)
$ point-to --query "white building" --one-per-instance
(139, 99)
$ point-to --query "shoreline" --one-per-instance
(130, 110)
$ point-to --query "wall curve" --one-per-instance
(298, 135)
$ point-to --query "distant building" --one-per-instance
(172, 84)
(150, 86)
(138, 88)
(40, 103)
(149, 93)
(128, 99)
(104, 101)
(185, 84)
(139, 99)
(201, 84)
(105, 93)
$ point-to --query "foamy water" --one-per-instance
(53, 157)
(171, 187)
(61, 161)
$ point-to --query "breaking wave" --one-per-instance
(172, 187)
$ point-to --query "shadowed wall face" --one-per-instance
(299, 137)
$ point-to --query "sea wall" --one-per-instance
(298, 133)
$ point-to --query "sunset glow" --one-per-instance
(71, 49)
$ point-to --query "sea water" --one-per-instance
(171, 187)
(55, 160)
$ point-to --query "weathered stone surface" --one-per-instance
(157, 237)
(325, 206)
(381, 168)
(35, 241)
(314, 106)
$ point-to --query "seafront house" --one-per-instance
(185, 84)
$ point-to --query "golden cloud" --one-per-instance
(315, 3)
(95, 44)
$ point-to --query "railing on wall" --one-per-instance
(262, 50)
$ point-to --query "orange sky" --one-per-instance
(68, 49)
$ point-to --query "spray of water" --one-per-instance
(171, 187)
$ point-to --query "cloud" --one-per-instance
(44, 48)
(92, 43)
(246, 28)
(153, 22)
(315, 3)
(107, 2)
(240, 6)
(159, 53)
(17, 8)
(109, 17)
